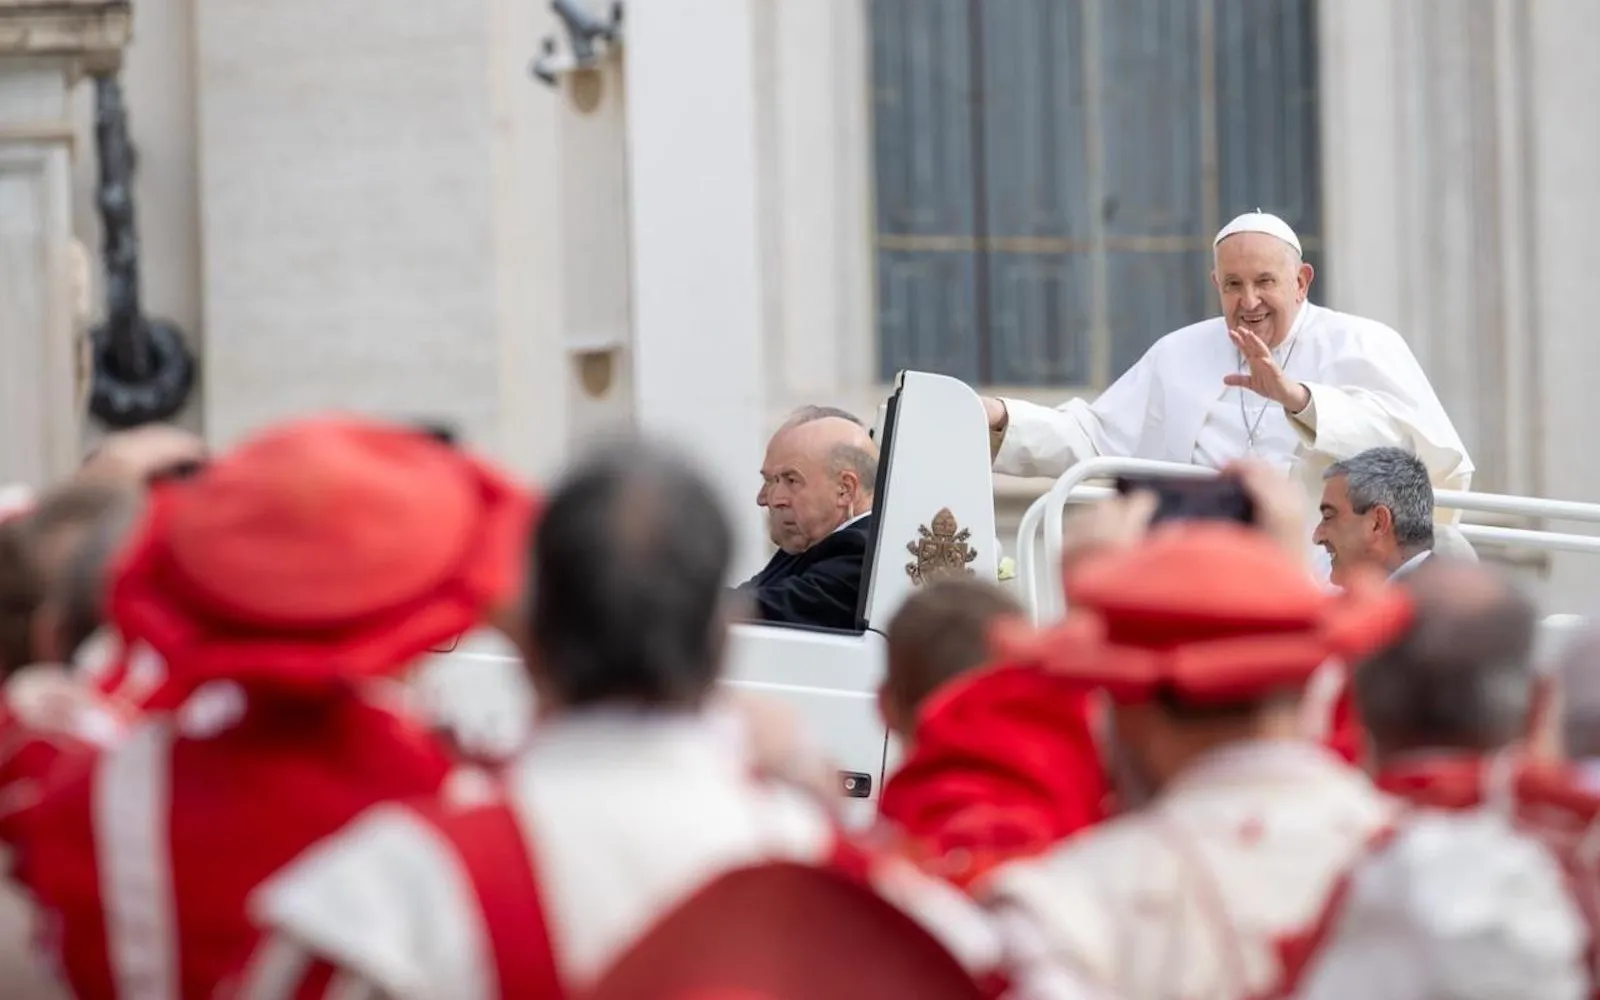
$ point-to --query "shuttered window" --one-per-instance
(1049, 173)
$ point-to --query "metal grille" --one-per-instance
(1050, 172)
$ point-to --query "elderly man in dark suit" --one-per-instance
(816, 484)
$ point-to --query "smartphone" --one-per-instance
(1216, 499)
(440, 430)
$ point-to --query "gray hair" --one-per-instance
(1578, 676)
(1462, 675)
(1396, 479)
(854, 458)
(858, 460)
(807, 414)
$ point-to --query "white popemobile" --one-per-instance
(935, 506)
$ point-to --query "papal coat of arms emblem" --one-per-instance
(940, 550)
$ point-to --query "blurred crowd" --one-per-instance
(1214, 777)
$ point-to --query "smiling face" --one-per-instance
(1262, 283)
(1354, 538)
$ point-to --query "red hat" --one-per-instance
(784, 931)
(1004, 765)
(1212, 613)
(325, 549)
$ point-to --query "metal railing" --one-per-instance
(1073, 486)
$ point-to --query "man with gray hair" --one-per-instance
(1376, 510)
(817, 484)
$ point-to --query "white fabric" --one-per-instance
(625, 814)
(16, 499)
(1459, 907)
(1410, 565)
(1367, 390)
(1190, 896)
(853, 520)
(1223, 437)
(131, 805)
(1259, 222)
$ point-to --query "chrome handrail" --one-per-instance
(1072, 487)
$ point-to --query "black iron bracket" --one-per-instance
(143, 370)
(589, 38)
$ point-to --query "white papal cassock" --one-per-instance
(1204, 894)
(621, 816)
(1367, 390)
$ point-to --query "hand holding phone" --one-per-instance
(1223, 498)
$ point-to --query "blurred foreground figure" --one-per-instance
(50, 710)
(141, 455)
(281, 585)
(1203, 637)
(1481, 890)
(1576, 726)
(786, 932)
(1000, 759)
(626, 800)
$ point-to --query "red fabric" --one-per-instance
(783, 931)
(243, 803)
(31, 759)
(489, 843)
(1346, 736)
(330, 548)
(1004, 765)
(1215, 613)
(317, 983)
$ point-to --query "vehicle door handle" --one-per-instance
(855, 784)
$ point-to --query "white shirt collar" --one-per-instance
(848, 523)
(1410, 564)
(1281, 352)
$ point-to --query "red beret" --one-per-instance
(1212, 613)
(325, 549)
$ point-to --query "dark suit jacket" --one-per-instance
(821, 586)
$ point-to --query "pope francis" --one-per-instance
(1275, 377)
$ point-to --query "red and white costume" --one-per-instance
(1205, 893)
(609, 819)
(1212, 891)
(1004, 765)
(1487, 887)
(275, 586)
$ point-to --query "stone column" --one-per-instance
(700, 372)
(46, 46)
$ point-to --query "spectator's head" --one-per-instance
(1204, 634)
(1577, 675)
(1377, 510)
(39, 553)
(819, 472)
(1461, 676)
(144, 454)
(939, 633)
(628, 565)
(73, 535)
(19, 598)
(317, 554)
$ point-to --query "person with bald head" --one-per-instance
(817, 483)
(1576, 725)
(1274, 377)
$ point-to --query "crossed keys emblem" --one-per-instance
(940, 550)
